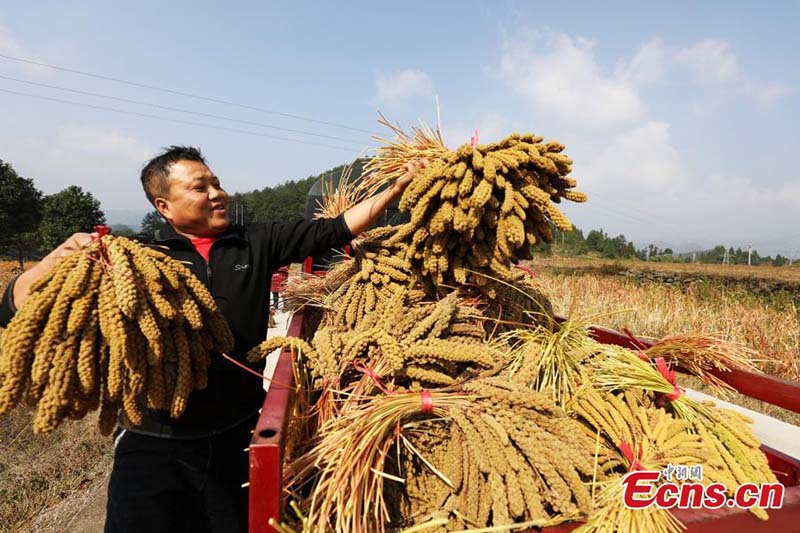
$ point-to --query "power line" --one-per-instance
(181, 93)
(789, 238)
(595, 206)
(598, 208)
(678, 233)
(651, 222)
(629, 207)
(175, 120)
(656, 221)
(178, 109)
(646, 217)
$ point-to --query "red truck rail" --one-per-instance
(267, 446)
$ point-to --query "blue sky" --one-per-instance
(681, 117)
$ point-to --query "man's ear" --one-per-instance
(163, 207)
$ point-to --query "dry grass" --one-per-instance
(784, 273)
(768, 325)
(41, 472)
(403, 147)
(656, 310)
(45, 479)
(338, 197)
(7, 271)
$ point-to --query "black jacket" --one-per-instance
(238, 275)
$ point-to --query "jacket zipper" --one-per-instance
(208, 268)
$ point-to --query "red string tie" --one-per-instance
(627, 451)
(370, 373)
(473, 141)
(426, 399)
(527, 270)
(101, 231)
(669, 375)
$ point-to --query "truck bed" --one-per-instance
(267, 447)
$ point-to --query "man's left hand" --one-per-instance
(413, 168)
(362, 215)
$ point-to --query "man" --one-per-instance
(186, 474)
(279, 277)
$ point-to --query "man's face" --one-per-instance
(196, 205)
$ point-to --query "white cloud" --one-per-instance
(559, 75)
(788, 195)
(10, 46)
(742, 194)
(642, 158)
(711, 62)
(639, 183)
(402, 85)
(79, 144)
(103, 161)
(647, 66)
(680, 206)
(710, 58)
(639, 186)
(765, 93)
(736, 209)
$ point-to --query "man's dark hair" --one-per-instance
(155, 172)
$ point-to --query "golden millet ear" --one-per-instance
(105, 327)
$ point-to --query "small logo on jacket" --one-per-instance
(241, 267)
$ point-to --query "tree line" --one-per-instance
(599, 243)
(286, 201)
(31, 221)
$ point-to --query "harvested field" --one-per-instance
(767, 321)
(784, 273)
(769, 325)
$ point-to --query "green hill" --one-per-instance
(283, 202)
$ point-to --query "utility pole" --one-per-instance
(749, 253)
(725, 257)
(694, 257)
